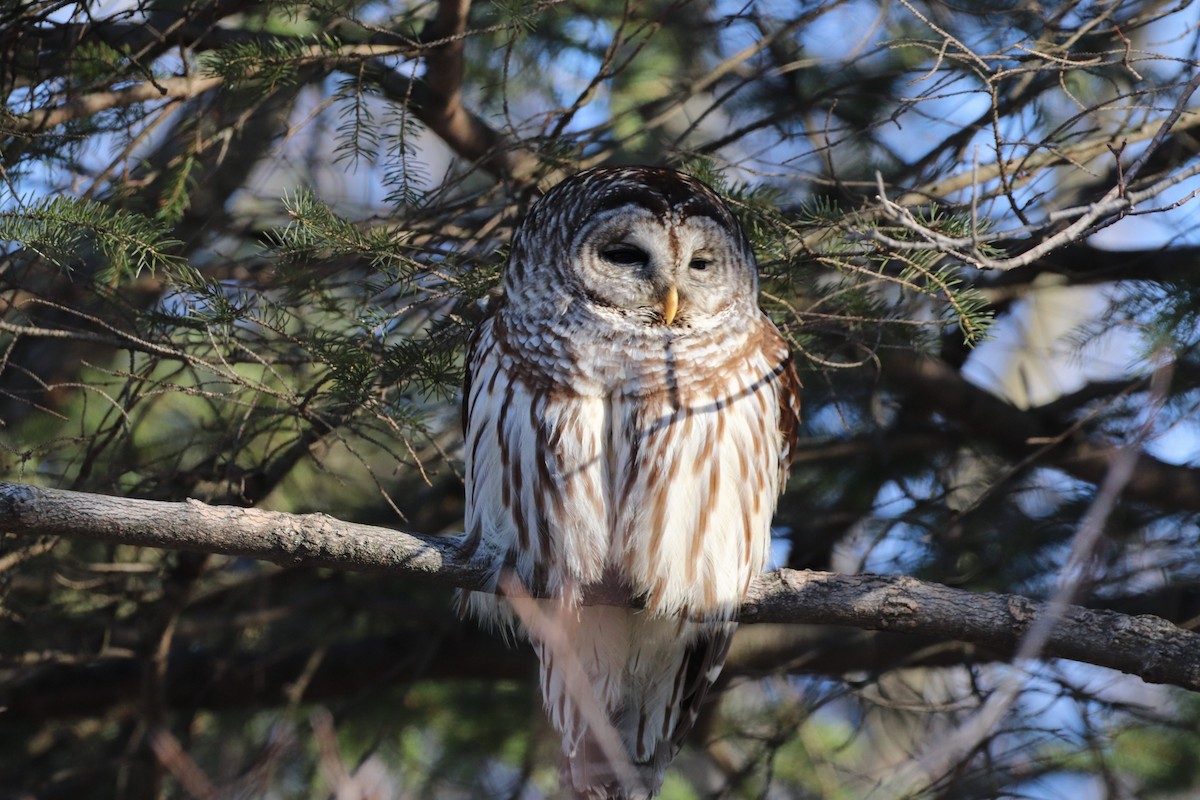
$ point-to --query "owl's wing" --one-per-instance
(536, 507)
(485, 308)
(789, 414)
(701, 667)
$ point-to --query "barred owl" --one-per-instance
(629, 416)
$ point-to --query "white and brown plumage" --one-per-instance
(629, 416)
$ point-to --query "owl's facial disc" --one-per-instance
(664, 271)
(628, 254)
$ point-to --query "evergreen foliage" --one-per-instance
(245, 243)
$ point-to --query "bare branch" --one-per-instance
(1147, 646)
(1031, 165)
(165, 89)
(1087, 218)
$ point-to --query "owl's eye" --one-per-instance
(699, 263)
(626, 255)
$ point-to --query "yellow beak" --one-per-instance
(670, 305)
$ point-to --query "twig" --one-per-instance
(1114, 202)
(1033, 164)
(550, 632)
(167, 88)
(171, 755)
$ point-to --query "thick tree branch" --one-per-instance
(1085, 264)
(199, 677)
(1026, 433)
(436, 99)
(44, 46)
(1147, 646)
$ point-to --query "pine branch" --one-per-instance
(1146, 646)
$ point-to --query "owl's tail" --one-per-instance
(624, 688)
(592, 775)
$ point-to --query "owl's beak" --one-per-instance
(669, 304)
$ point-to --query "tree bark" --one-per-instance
(1147, 646)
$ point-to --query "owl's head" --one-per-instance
(649, 245)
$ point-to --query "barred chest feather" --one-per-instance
(652, 460)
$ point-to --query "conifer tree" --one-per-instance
(245, 243)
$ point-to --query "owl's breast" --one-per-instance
(655, 460)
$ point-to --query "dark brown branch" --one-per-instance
(1085, 264)
(146, 39)
(463, 131)
(201, 678)
(436, 99)
(1026, 433)
(1147, 646)
(159, 31)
